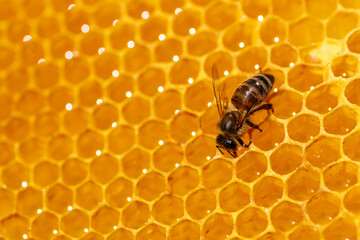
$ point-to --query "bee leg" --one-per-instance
(266, 106)
(234, 155)
(218, 147)
(252, 125)
(242, 142)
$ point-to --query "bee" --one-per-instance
(234, 115)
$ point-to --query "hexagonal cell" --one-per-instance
(58, 198)
(59, 97)
(6, 153)
(217, 173)
(302, 77)
(48, 27)
(183, 180)
(152, 28)
(351, 146)
(353, 42)
(7, 200)
(121, 233)
(286, 215)
(135, 215)
(250, 57)
(272, 135)
(16, 129)
(283, 55)
(118, 192)
(168, 209)
(286, 103)
(44, 225)
(167, 157)
(218, 226)
(323, 98)
(184, 21)
(288, 10)
(91, 42)
(29, 201)
(182, 126)
(17, 29)
(136, 58)
(320, 9)
(106, 14)
(323, 151)
(105, 64)
(74, 171)
(306, 31)
(60, 147)
(224, 62)
(255, 8)
(104, 219)
(152, 231)
(134, 162)
(104, 168)
(151, 186)
(241, 32)
(42, 73)
(46, 124)
(89, 93)
(221, 15)
(31, 52)
(147, 138)
(323, 207)
(340, 176)
(185, 229)
(150, 80)
(7, 102)
(76, 121)
(200, 203)
(202, 43)
(303, 184)
(351, 93)
(251, 222)
(268, 191)
(30, 102)
(14, 175)
(170, 6)
(121, 139)
(104, 115)
(199, 150)
(286, 158)
(341, 120)
(198, 95)
(167, 103)
(351, 200)
(89, 142)
(305, 232)
(121, 34)
(14, 227)
(251, 166)
(17, 79)
(341, 228)
(339, 25)
(89, 195)
(344, 66)
(60, 44)
(320, 53)
(118, 88)
(184, 69)
(76, 70)
(234, 197)
(136, 117)
(135, 8)
(74, 223)
(303, 127)
(32, 150)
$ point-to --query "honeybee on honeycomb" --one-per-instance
(234, 116)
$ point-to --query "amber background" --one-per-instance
(104, 140)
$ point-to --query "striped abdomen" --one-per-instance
(253, 91)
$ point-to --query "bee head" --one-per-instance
(226, 142)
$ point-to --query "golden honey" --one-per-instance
(108, 120)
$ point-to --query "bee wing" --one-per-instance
(219, 90)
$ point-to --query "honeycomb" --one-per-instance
(108, 120)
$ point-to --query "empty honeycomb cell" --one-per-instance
(76, 70)
(104, 115)
(89, 142)
(272, 135)
(286, 158)
(283, 55)
(8, 10)
(167, 49)
(121, 139)
(48, 27)
(340, 121)
(341, 228)
(76, 121)
(30, 102)
(14, 227)
(46, 124)
(303, 127)
(344, 66)
(106, 14)
(166, 157)
(17, 29)
(302, 77)
(323, 98)
(268, 191)
(320, 9)
(170, 6)
(16, 129)
(29, 201)
(202, 43)
(7, 153)
(185, 229)
(34, 9)
(118, 192)
(323, 151)
(323, 207)
(353, 42)
(14, 175)
(199, 150)
(168, 209)
(150, 80)
(74, 171)
(152, 28)
(251, 56)
(286, 103)
(198, 95)
(89, 195)
(223, 61)
(339, 25)
(152, 231)
(151, 186)
(118, 88)
(142, 107)
(74, 223)
(75, 19)
(251, 166)
(137, 7)
(59, 45)
(46, 75)
(234, 197)
(105, 64)
(182, 126)
(218, 226)
(59, 97)
(305, 232)
(183, 180)
(272, 30)
(351, 91)
(60, 147)
(135, 215)
(306, 31)
(7, 200)
(134, 163)
(122, 33)
(6, 102)
(58, 198)
(44, 225)
(7, 57)
(104, 168)
(255, 8)
(238, 36)
(303, 184)
(286, 215)
(147, 138)
(320, 53)
(351, 200)
(221, 15)
(121, 233)
(136, 58)
(351, 146)
(251, 222)
(340, 176)
(32, 150)
(184, 69)
(45, 173)
(104, 219)
(17, 79)
(185, 20)
(209, 120)
(31, 53)
(217, 173)
(288, 10)
(200, 203)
